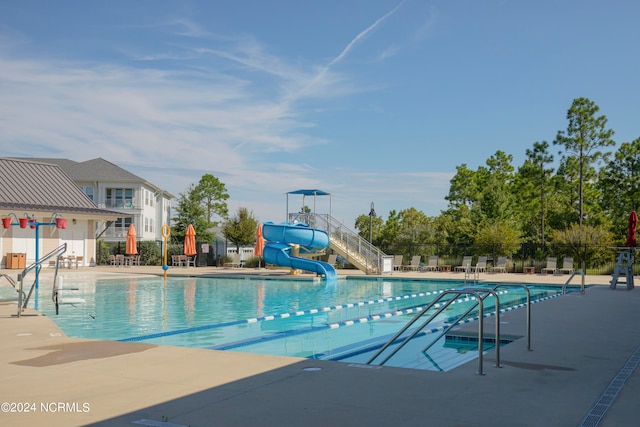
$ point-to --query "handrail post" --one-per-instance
(528, 307)
(480, 334)
(497, 330)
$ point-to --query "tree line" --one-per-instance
(586, 199)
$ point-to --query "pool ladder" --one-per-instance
(481, 294)
(24, 297)
(467, 273)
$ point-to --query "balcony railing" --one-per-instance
(117, 204)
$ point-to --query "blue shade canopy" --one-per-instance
(305, 193)
(310, 192)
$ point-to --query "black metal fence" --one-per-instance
(593, 259)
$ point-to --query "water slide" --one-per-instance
(280, 237)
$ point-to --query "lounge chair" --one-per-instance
(551, 266)
(567, 266)
(235, 262)
(501, 265)
(415, 264)
(397, 262)
(466, 263)
(481, 265)
(432, 265)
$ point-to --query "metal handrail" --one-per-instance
(564, 287)
(458, 292)
(480, 300)
(475, 291)
(12, 282)
(499, 285)
(36, 266)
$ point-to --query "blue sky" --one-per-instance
(370, 100)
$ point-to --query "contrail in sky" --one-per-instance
(325, 69)
(363, 34)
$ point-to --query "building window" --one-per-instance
(122, 226)
(88, 191)
(119, 198)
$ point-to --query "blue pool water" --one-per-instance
(336, 320)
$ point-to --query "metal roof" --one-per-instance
(35, 186)
(98, 170)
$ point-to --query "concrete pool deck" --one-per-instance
(580, 343)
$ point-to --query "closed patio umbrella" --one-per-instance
(190, 241)
(131, 247)
(259, 243)
(631, 230)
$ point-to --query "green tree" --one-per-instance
(464, 188)
(389, 234)
(619, 185)
(496, 182)
(586, 242)
(190, 210)
(213, 195)
(415, 229)
(586, 134)
(533, 182)
(363, 224)
(241, 228)
(501, 238)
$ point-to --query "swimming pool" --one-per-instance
(335, 320)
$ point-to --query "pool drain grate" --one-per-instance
(607, 398)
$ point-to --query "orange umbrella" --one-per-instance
(190, 241)
(259, 241)
(131, 248)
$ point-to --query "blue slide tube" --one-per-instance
(277, 250)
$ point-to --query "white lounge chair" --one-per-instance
(481, 265)
(551, 266)
(567, 266)
(415, 264)
(432, 265)
(466, 263)
(397, 262)
(501, 265)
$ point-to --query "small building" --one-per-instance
(56, 210)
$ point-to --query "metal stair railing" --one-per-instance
(13, 283)
(22, 302)
(476, 291)
(357, 250)
(581, 273)
(458, 293)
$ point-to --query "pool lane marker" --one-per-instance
(279, 316)
(352, 322)
(305, 312)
